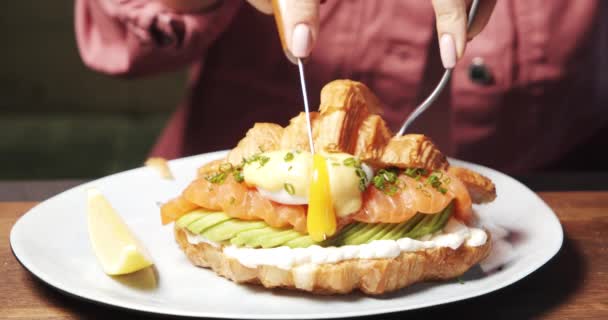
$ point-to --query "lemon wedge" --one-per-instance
(115, 246)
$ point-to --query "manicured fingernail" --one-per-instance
(448, 51)
(301, 41)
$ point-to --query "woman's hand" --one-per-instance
(451, 16)
(299, 21)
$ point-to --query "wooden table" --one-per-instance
(573, 285)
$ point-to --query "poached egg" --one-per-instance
(285, 177)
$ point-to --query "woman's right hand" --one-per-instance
(299, 21)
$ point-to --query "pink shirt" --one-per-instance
(547, 60)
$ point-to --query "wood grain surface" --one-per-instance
(573, 285)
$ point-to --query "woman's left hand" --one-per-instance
(451, 16)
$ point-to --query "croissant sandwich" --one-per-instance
(367, 211)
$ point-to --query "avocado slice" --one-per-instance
(247, 238)
(402, 228)
(385, 230)
(377, 233)
(185, 220)
(421, 228)
(410, 225)
(301, 242)
(230, 228)
(442, 220)
(368, 231)
(350, 229)
(217, 226)
(430, 223)
(207, 221)
(277, 239)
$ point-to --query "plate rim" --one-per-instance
(130, 306)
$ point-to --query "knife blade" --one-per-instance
(306, 107)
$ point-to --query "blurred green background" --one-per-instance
(59, 119)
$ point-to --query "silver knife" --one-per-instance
(306, 108)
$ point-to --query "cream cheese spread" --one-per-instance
(453, 235)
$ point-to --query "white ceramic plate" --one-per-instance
(51, 241)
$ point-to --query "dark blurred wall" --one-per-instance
(59, 119)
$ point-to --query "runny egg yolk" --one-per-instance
(321, 218)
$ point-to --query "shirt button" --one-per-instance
(479, 73)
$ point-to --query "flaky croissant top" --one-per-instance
(347, 122)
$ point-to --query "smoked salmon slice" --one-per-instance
(238, 201)
(175, 208)
(412, 197)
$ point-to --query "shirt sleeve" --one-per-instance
(136, 37)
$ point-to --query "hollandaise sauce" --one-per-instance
(321, 218)
(331, 184)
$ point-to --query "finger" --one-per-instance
(484, 12)
(298, 21)
(451, 28)
(264, 6)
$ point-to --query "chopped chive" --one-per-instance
(388, 175)
(218, 177)
(226, 167)
(391, 190)
(378, 182)
(387, 180)
(263, 161)
(415, 172)
(362, 185)
(411, 172)
(238, 176)
(289, 188)
(288, 157)
(350, 162)
(360, 173)
(435, 181)
(355, 163)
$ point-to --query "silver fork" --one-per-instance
(442, 83)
